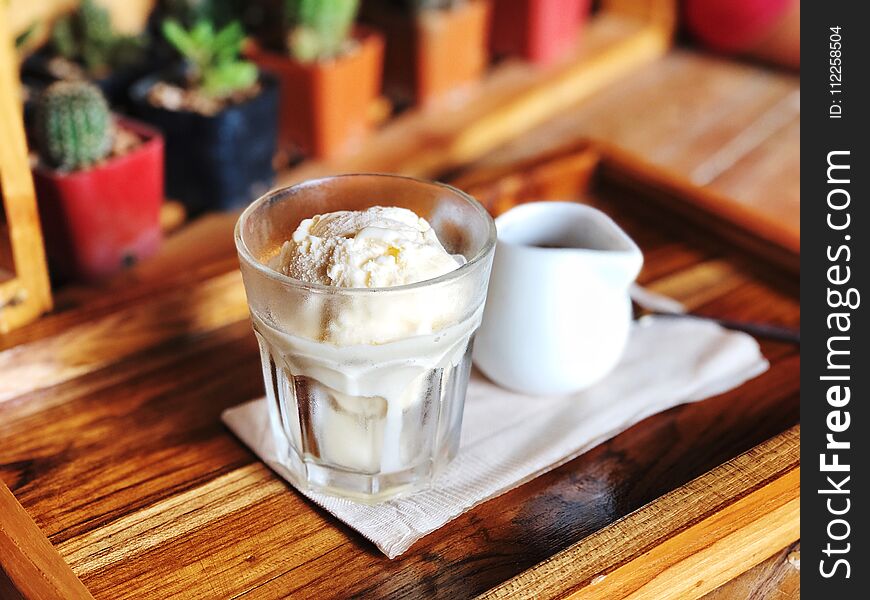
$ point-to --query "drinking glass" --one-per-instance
(366, 386)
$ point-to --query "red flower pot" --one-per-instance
(325, 105)
(538, 30)
(98, 220)
(731, 25)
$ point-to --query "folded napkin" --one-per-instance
(508, 438)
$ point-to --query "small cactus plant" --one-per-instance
(319, 29)
(213, 56)
(74, 127)
(87, 36)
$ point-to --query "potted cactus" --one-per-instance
(539, 31)
(219, 116)
(99, 182)
(330, 75)
(84, 45)
(435, 48)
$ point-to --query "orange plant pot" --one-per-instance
(325, 105)
(435, 55)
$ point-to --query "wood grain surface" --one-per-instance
(687, 542)
(31, 568)
(777, 578)
(728, 126)
(111, 440)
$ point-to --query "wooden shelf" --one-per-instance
(514, 98)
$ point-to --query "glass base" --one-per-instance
(309, 475)
(362, 446)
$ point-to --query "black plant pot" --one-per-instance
(221, 162)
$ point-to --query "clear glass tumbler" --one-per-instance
(366, 386)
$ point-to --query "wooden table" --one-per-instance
(141, 370)
(730, 126)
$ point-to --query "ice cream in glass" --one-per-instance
(365, 292)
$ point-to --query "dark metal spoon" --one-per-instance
(653, 303)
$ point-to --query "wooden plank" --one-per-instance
(768, 175)
(662, 13)
(76, 305)
(686, 543)
(737, 224)
(699, 116)
(777, 578)
(88, 346)
(7, 262)
(686, 100)
(30, 567)
(27, 294)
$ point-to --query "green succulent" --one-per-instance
(213, 56)
(319, 29)
(188, 12)
(87, 36)
(74, 128)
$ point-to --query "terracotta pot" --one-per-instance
(538, 30)
(325, 106)
(434, 55)
(101, 219)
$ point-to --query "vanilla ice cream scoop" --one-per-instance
(373, 248)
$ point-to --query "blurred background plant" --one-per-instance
(86, 36)
(319, 29)
(213, 56)
(190, 12)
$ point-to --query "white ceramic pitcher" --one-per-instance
(558, 312)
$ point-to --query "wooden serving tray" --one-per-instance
(110, 439)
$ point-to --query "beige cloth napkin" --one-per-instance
(509, 438)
